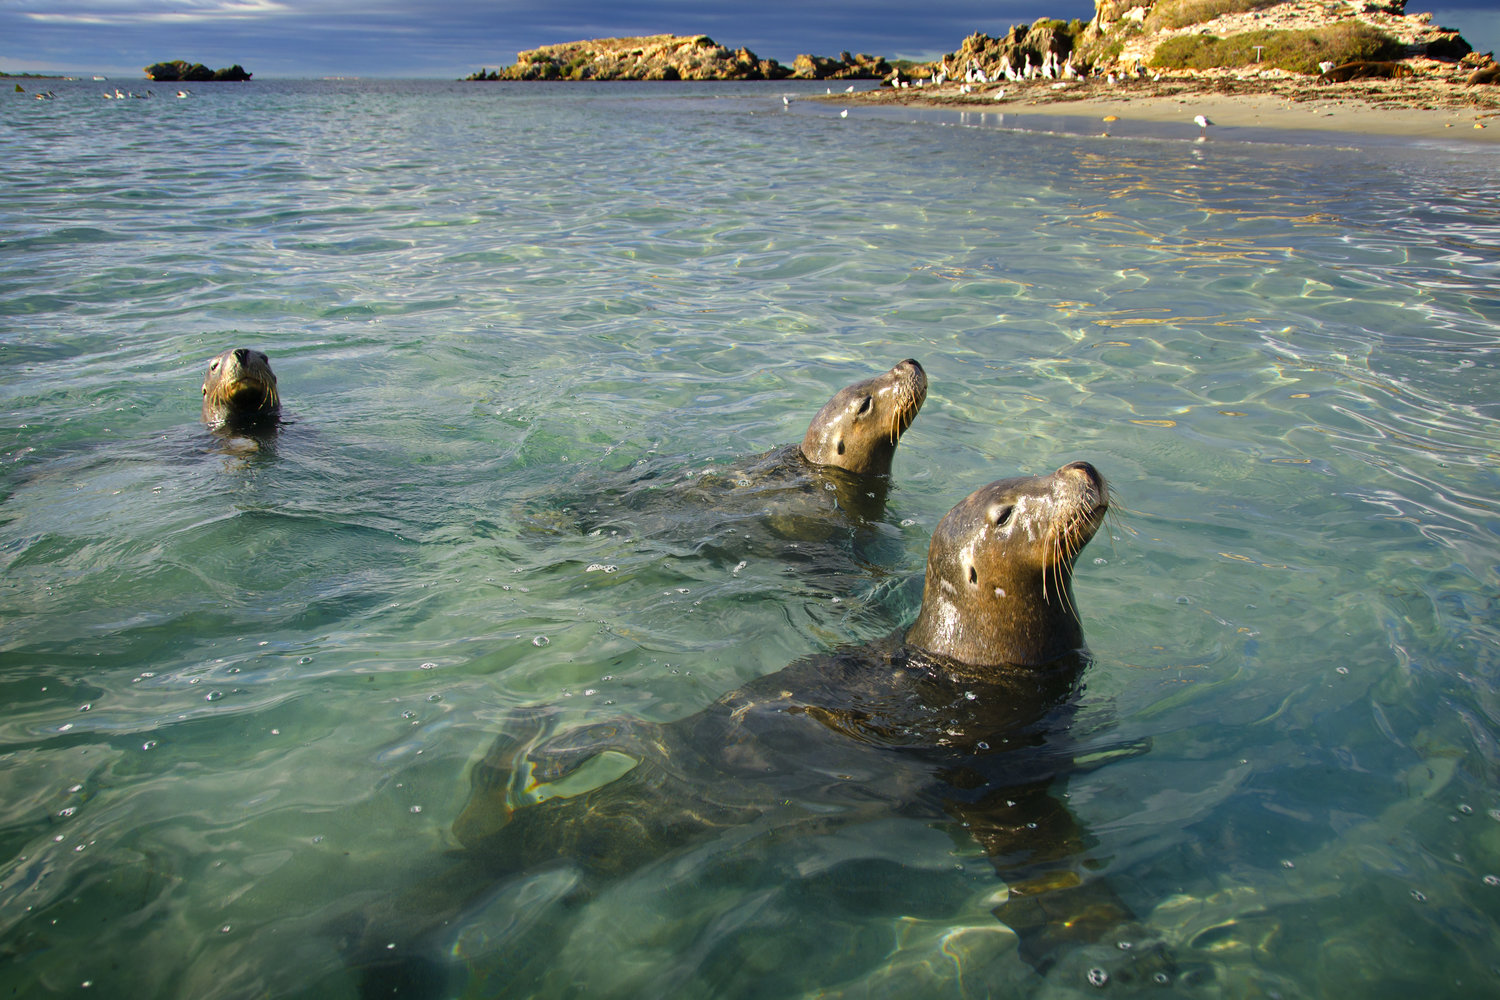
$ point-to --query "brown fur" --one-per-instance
(239, 390)
(858, 428)
(1367, 71)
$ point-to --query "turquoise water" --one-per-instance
(243, 688)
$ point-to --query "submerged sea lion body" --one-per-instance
(239, 391)
(957, 719)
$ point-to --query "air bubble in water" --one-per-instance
(540, 640)
(149, 745)
(213, 696)
(428, 666)
(1098, 977)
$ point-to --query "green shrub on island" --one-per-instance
(1293, 51)
(1168, 14)
(181, 71)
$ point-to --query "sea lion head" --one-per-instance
(240, 389)
(1000, 569)
(858, 428)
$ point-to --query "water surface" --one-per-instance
(243, 690)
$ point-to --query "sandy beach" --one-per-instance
(1424, 107)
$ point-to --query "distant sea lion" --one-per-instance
(239, 391)
(1362, 70)
(951, 721)
(1485, 74)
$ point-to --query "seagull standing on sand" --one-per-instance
(1203, 122)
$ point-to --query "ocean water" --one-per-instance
(243, 687)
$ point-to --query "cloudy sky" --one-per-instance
(451, 38)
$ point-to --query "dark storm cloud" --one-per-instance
(445, 38)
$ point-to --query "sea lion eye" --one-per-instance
(865, 406)
(214, 365)
(973, 576)
(841, 446)
(1004, 515)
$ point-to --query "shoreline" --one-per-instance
(1413, 108)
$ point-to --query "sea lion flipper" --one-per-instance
(493, 777)
(566, 752)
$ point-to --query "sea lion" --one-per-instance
(858, 429)
(957, 719)
(239, 391)
(806, 501)
(1484, 74)
(1366, 70)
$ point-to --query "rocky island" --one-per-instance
(675, 57)
(1366, 65)
(179, 70)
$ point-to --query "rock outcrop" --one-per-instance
(179, 70)
(1294, 35)
(653, 57)
(675, 57)
(1137, 36)
(845, 67)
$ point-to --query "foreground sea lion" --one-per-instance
(239, 391)
(958, 721)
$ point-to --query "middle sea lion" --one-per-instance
(957, 719)
(802, 501)
(857, 430)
